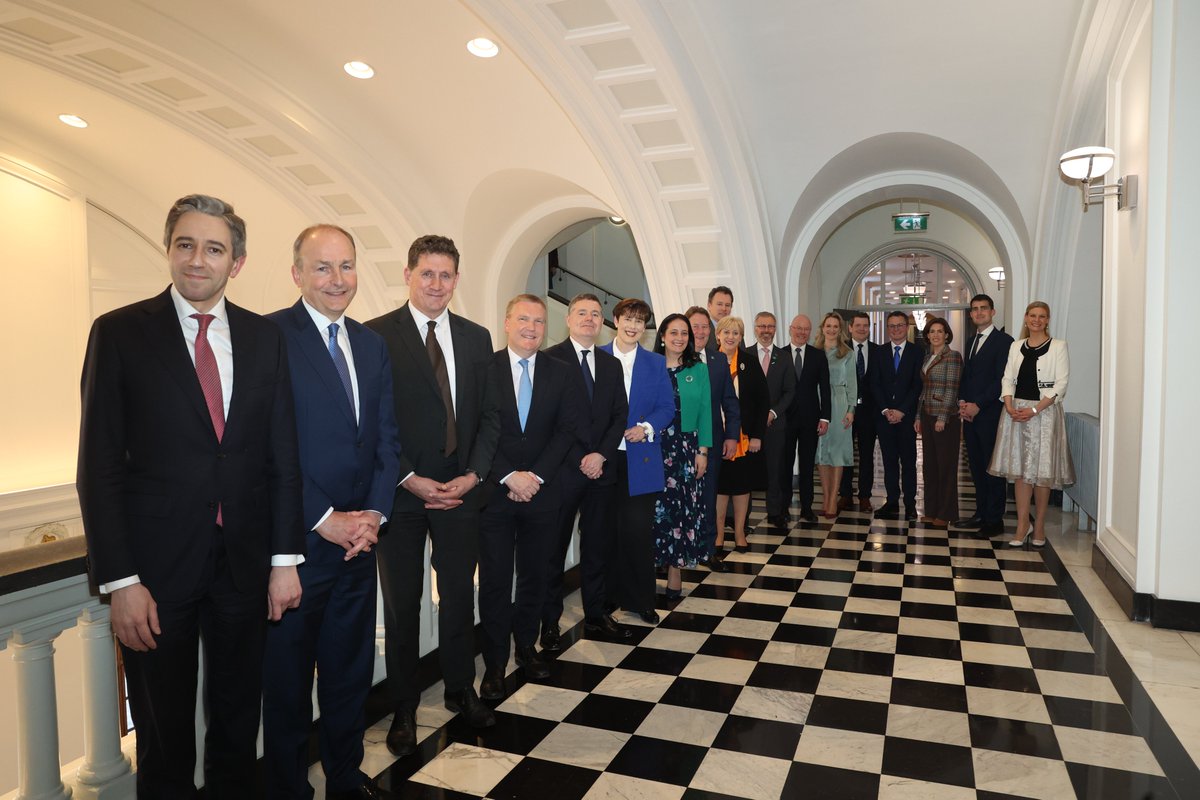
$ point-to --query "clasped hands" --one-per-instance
(522, 486)
(967, 411)
(440, 496)
(893, 416)
(354, 531)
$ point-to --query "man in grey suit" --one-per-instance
(449, 425)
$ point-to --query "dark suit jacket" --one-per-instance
(151, 472)
(420, 415)
(550, 429)
(897, 389)
(981, 375)
(781, 380)
(866, 390)
(752, 394)
(723, 399)
(346, 465)
(601, 423)
(810, 402)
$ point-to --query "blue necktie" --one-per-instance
(525, 394)
(896, 359)
(339, 363)
(588, 380)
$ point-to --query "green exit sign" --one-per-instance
(908, 223)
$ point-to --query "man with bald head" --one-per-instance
(808, 418)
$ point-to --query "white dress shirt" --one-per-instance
(514, 362)
(442, 334)
(627, 360)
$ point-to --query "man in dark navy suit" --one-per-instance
(521, 495)
(349, 460)
(866, 414)
(776, 364)
(726, 421)
(807, 420)
(897, 385)
(979, 406)
(720, 306)
(588, 474)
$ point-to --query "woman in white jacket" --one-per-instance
(1031, 446)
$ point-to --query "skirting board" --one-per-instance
(1180, 615)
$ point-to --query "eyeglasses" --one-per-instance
(897, 325)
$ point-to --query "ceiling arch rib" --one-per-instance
(606, 63)
(280, 149)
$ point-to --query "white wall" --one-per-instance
(1085, 323)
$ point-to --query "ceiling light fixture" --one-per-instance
(359, 69)
(73, 120)
(1086, 164)
(615, 220)
(997, 274)
(483, 47)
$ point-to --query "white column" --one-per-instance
(38, 771)
(105, 771)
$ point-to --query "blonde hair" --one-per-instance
(726, 323)
(1028, 308)
(843, 341)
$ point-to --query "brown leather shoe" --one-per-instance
(864, 505)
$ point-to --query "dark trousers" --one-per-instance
(990, 491)
(162, 689)
(333, 630)
(865, 421)
(630, 573)
(709, 493)
(898, 444)
(520, 535)
(939, 467)
(591, 501)
(775, 453)
(801, 446)
(401, 556)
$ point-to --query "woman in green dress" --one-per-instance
(836, 448)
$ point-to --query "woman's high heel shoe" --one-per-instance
(1021, 542)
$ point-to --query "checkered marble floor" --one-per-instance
(842, 659)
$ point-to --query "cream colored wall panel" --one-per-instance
(702, 257)
(613, 55)
(577, 14)
(639, 94)
(695, 213)
(676, 172)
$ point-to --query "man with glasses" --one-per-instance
(897, 386)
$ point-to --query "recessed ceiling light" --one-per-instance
(949, 281)
(359, 69)
(615, 220)
(73, 120)
(483, 47)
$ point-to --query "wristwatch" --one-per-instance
(478, 480)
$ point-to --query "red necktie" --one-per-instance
(210, 380)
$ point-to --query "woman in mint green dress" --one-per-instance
(835, 449)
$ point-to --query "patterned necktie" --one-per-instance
(765, 360)
(860, 363)
(896, 359)
(339, 363)
(975, 345)
(210, 382)
(525, 393)
(443, 381)
(588, 380)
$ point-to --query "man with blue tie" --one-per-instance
(349, 460)
(979, 406)
(726, 421)
(897, 387)
(537, 396)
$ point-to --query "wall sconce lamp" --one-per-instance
(1086, 164)
(997, 274)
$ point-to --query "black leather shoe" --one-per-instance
(402, 735)
(467, 703)
(530, 660)
(910, 514)
(551, 636)
(989, 529)
(367, 790)
(888, 508)
(606, 627)
(649, 616)
(808, 516)
(609, 608)
(492, 685)
(714, 565)
(864, 504)
(971, 523)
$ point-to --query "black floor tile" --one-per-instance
(1109, 717)
(881, 567)
(684, 621)
(929, 611)
(1014, 736)
(856, 621)
(835, 575)
(575, 675)
(927, 559)
(1103, 783)
(928, 761)
(996, 676)
(1064, 661)
(928, 646)
(977, 574)
(610, 713)
(1052, 622)
(790, 561)
(848, 715)
(648, 659)
(848, 660)
(982, 600)
(760, 737)
(825, 602)
(875, 592)
(927, 694)
(992, 634)
(804, 634)
(929, 582)
(733, 647)
(786, 677)
(1048, 591)
(776, 584)
(658, 760)
(760, 611)
(536, 778)
(703, 695)
(717, 592)
(818, 782)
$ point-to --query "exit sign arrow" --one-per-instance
(908, 223)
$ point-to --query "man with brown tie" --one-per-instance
(449, 425)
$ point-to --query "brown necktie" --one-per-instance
(438, 359)
(210, 381)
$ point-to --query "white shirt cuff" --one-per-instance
(112, 586)
(649, 429)
(287, 560)
(324, 517)
(406, 477)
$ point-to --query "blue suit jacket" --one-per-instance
(723, 398)
(980, 383)
(651, 399)
(897, 389)
(346, 466)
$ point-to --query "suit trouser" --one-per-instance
(801, 445)
(939, 467)
(898, 444)
(333, 629)
(991, 492)
(401, 556)
(592, 501)
(709, 493)
(512, 534)
(162, 688)
(865, 422)
(630, 570)
(774, 454)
